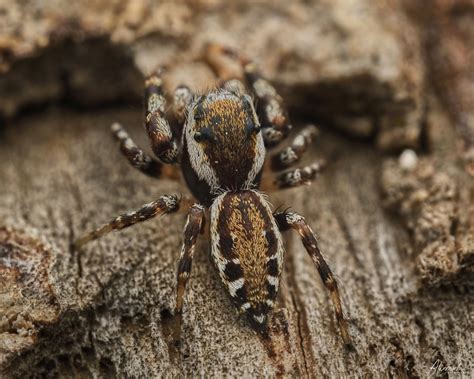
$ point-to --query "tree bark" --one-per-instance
(107, 307)
(396, 230)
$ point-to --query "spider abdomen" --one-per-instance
(247, 248)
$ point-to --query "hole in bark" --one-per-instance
(89, 74)
(88, 351)
(48, 365)
(107, 367)
(63, 358)
(166, 314)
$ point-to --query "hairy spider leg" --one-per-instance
(223, 61)
(194, 226)
(288, 156)
(163, 143)
(291, 178)
(164, 205)
(271, 109)
(292, 220)
(139, 159)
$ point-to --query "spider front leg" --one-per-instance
(291, 220)
(271, 109)
(194, 226)
(138, 158)
(163, 143)
(164, 205)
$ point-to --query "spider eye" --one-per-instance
(205, 134)
(198, 137)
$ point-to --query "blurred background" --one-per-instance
(361, 67)
(389, 83)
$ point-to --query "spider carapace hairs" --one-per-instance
(220, 140)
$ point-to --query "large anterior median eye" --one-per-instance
(205, 134)
(198, 137)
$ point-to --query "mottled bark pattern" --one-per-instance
(116, 296)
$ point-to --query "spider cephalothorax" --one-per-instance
(221, 146)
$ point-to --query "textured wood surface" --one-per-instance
(107, 308)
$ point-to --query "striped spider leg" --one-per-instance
(292, 220)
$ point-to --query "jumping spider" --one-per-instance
(221, 143)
